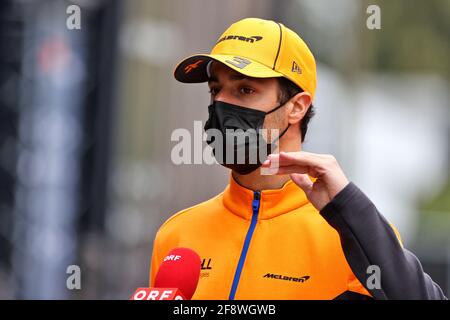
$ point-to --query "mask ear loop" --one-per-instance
(273, 143)
(276, 108)
(284, 131)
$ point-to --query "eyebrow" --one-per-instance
(239, 76)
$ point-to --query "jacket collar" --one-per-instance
(273, 203)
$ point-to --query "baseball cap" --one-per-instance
(256, 48)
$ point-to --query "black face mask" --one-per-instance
(242, 147)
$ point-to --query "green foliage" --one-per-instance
(414, 37)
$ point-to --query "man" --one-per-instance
(289, 225)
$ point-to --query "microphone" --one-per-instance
(176, 279)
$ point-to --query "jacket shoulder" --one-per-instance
(180, 217)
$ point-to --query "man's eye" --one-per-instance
(246, 90)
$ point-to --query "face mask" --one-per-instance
(237, 140)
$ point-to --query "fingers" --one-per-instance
(299, 158)
(289, 170)
(292, 169)
(283, 164)
(276, 160)
(303, 181)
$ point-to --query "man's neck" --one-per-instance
(255, 181)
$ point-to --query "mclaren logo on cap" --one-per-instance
(242, 38)
(192, 66)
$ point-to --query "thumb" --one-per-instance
(303, 181)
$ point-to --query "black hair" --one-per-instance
(288, 89)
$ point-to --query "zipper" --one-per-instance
(255, 209)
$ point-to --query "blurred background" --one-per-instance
(86, 118)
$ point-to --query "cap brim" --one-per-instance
(193, 68)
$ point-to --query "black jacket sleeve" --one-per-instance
(368, 239)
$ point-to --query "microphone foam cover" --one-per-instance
(180, 269)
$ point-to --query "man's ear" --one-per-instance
(300, 105)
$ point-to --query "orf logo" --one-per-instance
(157, 294)
(172, 257)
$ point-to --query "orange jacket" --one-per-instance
(271, 244)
